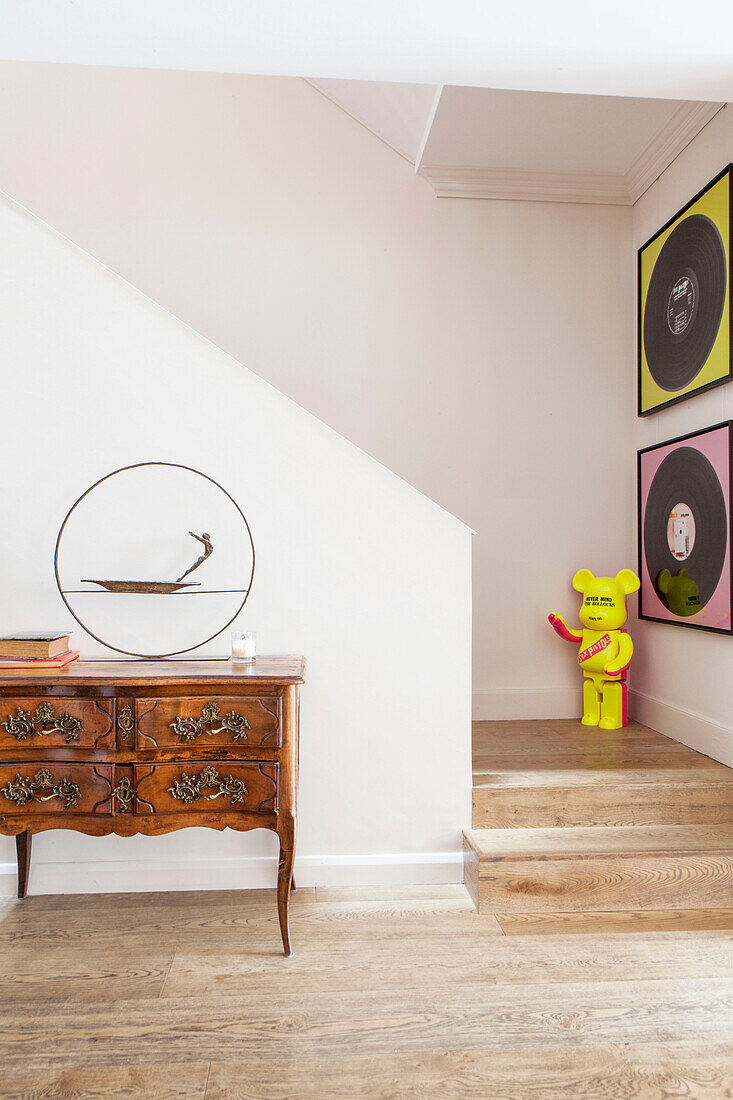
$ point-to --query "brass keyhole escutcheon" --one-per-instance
(125, 722)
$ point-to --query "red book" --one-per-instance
(32, 663)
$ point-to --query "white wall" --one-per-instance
(482, 350)
(683, 679)
(356, 570)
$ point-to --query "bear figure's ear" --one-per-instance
(582, 580)
(628, 580)
(664, 581)
(683, 573)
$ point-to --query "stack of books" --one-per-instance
(39, 649)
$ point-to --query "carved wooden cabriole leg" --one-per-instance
(286, 815)
(23, 843)
(284, 880)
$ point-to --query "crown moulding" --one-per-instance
(533, 185)
(603, 188)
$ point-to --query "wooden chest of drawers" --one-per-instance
(150, 747)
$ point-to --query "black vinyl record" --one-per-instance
(687, 476)
(684, 303)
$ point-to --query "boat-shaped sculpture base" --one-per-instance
(160, 588)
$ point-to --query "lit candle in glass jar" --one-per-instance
(244, 645)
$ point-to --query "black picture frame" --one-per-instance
(643, 572)
(643, 370)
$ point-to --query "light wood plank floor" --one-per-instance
(405, 993)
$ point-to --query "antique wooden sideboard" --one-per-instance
(131, 747)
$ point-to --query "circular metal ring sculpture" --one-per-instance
(154, 587)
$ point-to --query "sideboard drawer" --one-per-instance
(48, 724)
(194, 787)
(42, 788)
(222, 723)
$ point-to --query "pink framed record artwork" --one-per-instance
(684, 489)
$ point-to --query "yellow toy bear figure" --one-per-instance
(605, 649)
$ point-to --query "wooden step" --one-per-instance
(498, 804)
(614, 868)
(560, 774)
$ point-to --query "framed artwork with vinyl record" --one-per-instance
(684, 500)
(684, 284)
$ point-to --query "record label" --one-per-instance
(681, 531)
(681, 305)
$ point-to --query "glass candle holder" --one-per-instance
(244, 646)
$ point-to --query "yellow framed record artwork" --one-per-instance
(684, 285)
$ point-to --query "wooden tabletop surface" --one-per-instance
(282, 669)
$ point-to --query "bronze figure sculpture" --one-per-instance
(205, 540)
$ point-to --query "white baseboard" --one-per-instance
(249, 872)
(682, 725)
(530, 703)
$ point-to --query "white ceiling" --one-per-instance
(630, 48)
(400, 114)
(531, 130)
(490, 143)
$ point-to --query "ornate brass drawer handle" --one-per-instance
(124, 792)
(22, 790)
(24, 724)
(188, 729)
(125, 721)
(188, 788)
